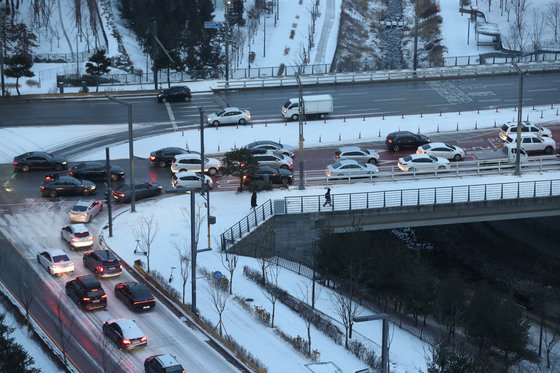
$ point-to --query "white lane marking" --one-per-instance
(498, 85)
(420, 89)
(391, 99)
(271, 98)
(361, 110)
(542, 90)
(171, 116)
(354, 93)
(438, 105)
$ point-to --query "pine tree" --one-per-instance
(19, 40)
(18, 66)
(13, 357)
(98, 65)
(238, 163)
(236, 13)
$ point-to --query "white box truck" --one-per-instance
(320, 105)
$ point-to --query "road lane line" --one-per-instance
(391, 99)
(542, 90)
(171, 116)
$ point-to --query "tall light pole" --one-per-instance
(264, 39)
(193, 254)
(2, 35)
(385, 337)
(415, 58)
(226, 37)
(301, 139)
(130, 151)
(519, 116)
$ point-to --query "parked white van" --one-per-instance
(321, 105)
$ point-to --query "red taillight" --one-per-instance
(86, 299)
(244, 177)
(15, 163)
(42, 187)
(90, 238)
(74, 239)
(174, 181)
(153, 158)
(421, 152)
(125, 342)
(99, 269)
(389, 140)
(174, 164)
(55, 266)
(120, 266)
(143, 339)
(104, 296)
(48, 178)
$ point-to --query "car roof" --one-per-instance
(435, 144)
(415, 156)
(105, 254)
(399, 133)
(84, 202)
(345, 162)
(89, 280)
(350, 148)
(55, 252)
(79, 228)
(139, 289)
(263, 142)
(166, 360)
(65, 178)
(188, 155)
(231, 108)
(129, 328)
(185, 173)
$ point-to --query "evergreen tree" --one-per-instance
(235, 13)
(13, 357)
(98, 65)
(238, 163)
(19, 40)
(18, 66)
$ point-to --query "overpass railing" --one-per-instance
(257, 216)
(423, 196)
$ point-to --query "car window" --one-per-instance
(220, 113)
(504, 127)
(538, 141)
(60, 258)
(451, 146)
(433, 158)
(526, 141)
(407, 158)
(80, 208)
(441, 150)
(81, 234)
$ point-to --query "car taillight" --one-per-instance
(152, 157)
(83, 215)
(421, 152)
(48, 178)
(15, 163)
(174, 181)
(55, 266)
(174, 164)
(125, 342)
(244, 177)
(329, 171)
(143, 339)
(86, 299)
(337, 156)
(120, 266)
(99, 269)
(104, 296)
(249, 115)
(74, 239)
(90, 238)
(389, 140)
(42, 187)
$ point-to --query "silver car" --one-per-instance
(77, 236)
(423, 162)
(275, 160)
(189, 180)
(272, 145)
(191, 162)
(443, 150)
(230, 115)
(356, 153)
(85, 210)
(349, 168)
(55, 261)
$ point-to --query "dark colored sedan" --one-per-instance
(95, 171)
(164, 157)
(179, 93)
(38, 161)
(405, 139)
(103, 263)
(87, 292)
(141, 191)
(136, 296)
(274, 175)
(67, 185)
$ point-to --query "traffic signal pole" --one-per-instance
(108, 192)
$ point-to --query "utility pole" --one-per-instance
(415, 58)
(384, 336)
(109, 191)
(226, 37)
(77, 58)
(154, 53)
(264, 39)
(301, 139)
(202, 181)
(519, 116)
(193, 254)
(2, 36)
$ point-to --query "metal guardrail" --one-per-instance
(422, 73)
(461, 168)
(423, 196)
(257, 216)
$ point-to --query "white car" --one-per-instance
(191, 162)
(526, 127)
(272, 145)
(349, 168)
(274, 160)
(85, 210)
(423, 162)
(55, 261)
(532, 142)
(356, 153)
(440, 149)
(230, 115)
(189, 180)
(124, 333)
(77, 236)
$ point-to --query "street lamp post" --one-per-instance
(385, 337)
(519, 116)
(301, 112)
(193, 254)
(130, 151)
(264, 38)
(415, 58)
(226, 37)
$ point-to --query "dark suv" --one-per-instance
(405, 139)
(162, 364)
(274, 175)
(87, 292)
(103, 263)
(179, 93)
(96, 171)
(135, 295)
(163, 157)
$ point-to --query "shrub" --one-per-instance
(292, 34)
(32, 83)
(281, 68)
(262, 315)
(259, 185)
(164, 283)
(252, 56)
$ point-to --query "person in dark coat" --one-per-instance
(254, 200)
(327, 198)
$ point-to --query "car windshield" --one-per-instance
(407, 158)
(80, 208)
(363, 150)
(287, 104)
(60, 258)
(336, 165)
(433, 158)
(539, 127)
(451, 146)
(363, 165)
(82, 234)
(220, 113)
(504, 127)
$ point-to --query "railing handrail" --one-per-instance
(244, 225)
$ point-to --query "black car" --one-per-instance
(405, 139)
(135, 295)
(103, 263)
(163, 363)
(95, 171)
(87, 292)
(274, 175)
(67, 185)
(38, 161)
(163, 157)
(141, 191)
(179, 93)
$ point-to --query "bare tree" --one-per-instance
(219, 296)
(230, 264)
(184, 251)
(310, 296)
(272, 278)
(553, 17)
(64, 324)
(262, 255)
(551, 337)
(537, 30)
(347, 309)
(147, 231)
(27, 293)
(517, 36)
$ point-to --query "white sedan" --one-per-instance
(349, 168)
(423, 162)
(440, 149)
(230, 115)
(189, 180)
(84, 210)
(55, 261)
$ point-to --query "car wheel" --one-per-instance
(441, 168)
(216, 123)
(164, 100)
(25, 168)
(548, 150)
(242, 121)
(187, 99)
(85, 192)
(182, 170)
(322, 116)
(58, 167)
(372, 161)
(457, 157)
(285, 167)
(162, 164)
(52, 193)
(114, 177)
(396, 148)
(212, 171)
(295, 117)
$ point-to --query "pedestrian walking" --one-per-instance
(254, 200)
(327, 198)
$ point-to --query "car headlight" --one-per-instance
(92, 187)
(64, 162)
